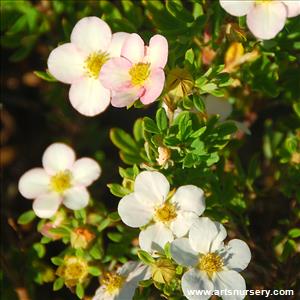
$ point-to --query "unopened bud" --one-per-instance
(81, 238)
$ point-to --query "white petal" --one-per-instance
(117, 42)
(206, 236)
(230, 281)
(183, 253)
(134, 212)
(152, 187)
(237, 255)
(266, 19)
(133, 48)
(155, 237)
(76, 198)
(218, 106)
(102, 294)
(85, 171)
(190, 198)
(193, 281)
(127, 291)
(33, 183)
(58, 157)
(293, 7)
(126, 97)
(237, 8)
(66, 63)
(89, 97)
(157, 52)
(134, 271)
(91, 34)
(183, 222)
(45, 206)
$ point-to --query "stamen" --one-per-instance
(165, 213)
(113, 283)
(210, 263)
(139, 73)
(94, 63)
(61, 181)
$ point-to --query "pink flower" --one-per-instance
(79, 63)
(265, 18)
(62, 180)
(138, 73)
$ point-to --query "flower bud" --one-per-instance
(163, 155)
(163, 271)
(81, 238)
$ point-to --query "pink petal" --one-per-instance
(266, 19)
(237, 8)
(58, 157)
(34, 183)
(91, 34)
(76, 198)
(157, 52)
(133, 48)
(85, 171)
(126, 97)
(46, 205)
(154, 86)
(117, 43)
(89, 97)
(293, 7)
(66, 63)
(114, 74)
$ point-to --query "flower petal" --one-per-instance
(293, 7)
(206, 236)
(126, 293)
(218, 106)
(76, 198)
(155, 237)
(134, 212)
(151, 187)
(183, 222)
(237, 8)
(126, 97)
(157, 52)
(114, 74)
(134, 271)
(58, 157)
(133, 48)
(45, 206)
(34, 183)
(237, 255)
(266, 19)
(91, 34)
(153, 86)
(117, 42)
(85, 171)
(66, 63)
(193, 281)
(230, 281)
(190, 198)
(183, 253)
(89, 97)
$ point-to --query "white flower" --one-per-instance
(62, 180)
(213, 265)
(122, 284)
(265, 18)
(79, 63)
(149, 205)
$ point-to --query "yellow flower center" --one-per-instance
(61, 181)
(139, 73)
(94, 63)
(210, 263)
(165, 213)
(113, 283)
(262, 1)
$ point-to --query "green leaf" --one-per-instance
(57, 261)
(145, 257)
(118, 190)
(199, 103)
(79, 290)
(115, 236)
(190, 56)
(123, 141)
(209, 87)
(294, 233)
(40, 249)
(58, 284)
(45, 76)
(161, 119)
(26, 217)
(176, 9)
(138, 130)
(150, 126)
(167, 249)
(95, 271)
(96, 251)
(296, 107)
(114, 216)
(103, 224)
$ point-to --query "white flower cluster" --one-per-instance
(197, 243)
